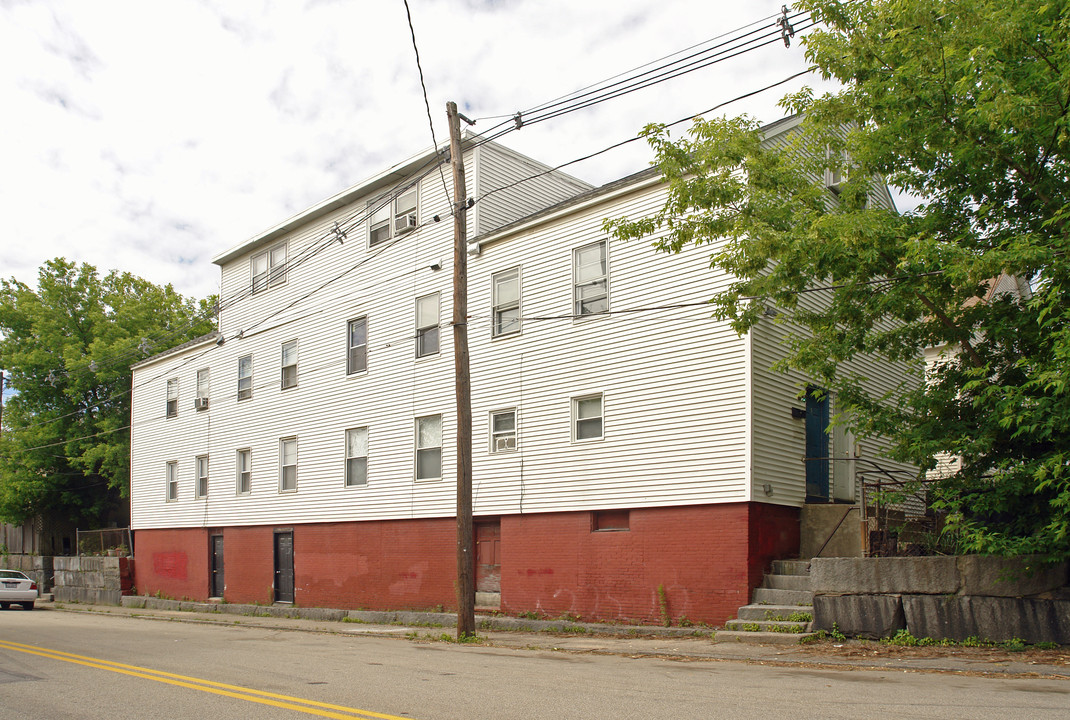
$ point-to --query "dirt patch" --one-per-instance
(857, 649)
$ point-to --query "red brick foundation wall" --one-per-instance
(706, 558)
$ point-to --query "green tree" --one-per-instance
(964, 104)
(67, 348)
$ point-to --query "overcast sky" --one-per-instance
(150, 136)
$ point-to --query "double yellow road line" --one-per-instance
(287, 702)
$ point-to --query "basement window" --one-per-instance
(610, 520)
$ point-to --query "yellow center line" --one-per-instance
(310, 707)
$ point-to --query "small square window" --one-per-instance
(392, 217)
(503, 430)
(587, 418)
(172, 481)
(429, 447)
(245, 377)
(245, 472)
(202, 476)
(609, 520)
(172, 397)
(427, 325)
(288, 465)
(289, 364)
(357, 354)
(356, 456)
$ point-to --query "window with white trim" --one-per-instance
(269, 268)
(245, 377)
(172, 397)
(244, 479)
(288, 465)
(392, 218)
(356, 456)
(201, 490)
(429, 447)
(357, 346)
(590, 281)
(427, 325)
(505, 290)
(587, 418)
(503, 430)
(203, 388)
(289, 364)
(172, 481)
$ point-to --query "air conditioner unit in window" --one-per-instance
(504, 443)
(200, 403)
(404, 224)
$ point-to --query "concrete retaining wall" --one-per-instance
(38, 567)
(96, 580)
(992, 598)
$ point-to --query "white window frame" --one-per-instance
(361, 349)
(499, 439)
(289, 369)
(352, 451)
(287, 460)
(397, 216)
(245, 382)
(243, 481)
(268, 268)
(426, 331)
(204, 387)
(425, 447)
(592, 281)
(171, 482)
(200, 471)
(172, 398)
(499, 326)
(577, 402)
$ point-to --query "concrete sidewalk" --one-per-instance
(683, 644)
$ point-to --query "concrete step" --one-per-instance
(759, 638)
(778, 626)
(773, 596)
(773, 612)
(787, 582)
(791, 567)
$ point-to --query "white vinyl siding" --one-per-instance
(427, 325)
(201, 464)
(288, 465)
(289, 364)
(429, 447)
(505, 292)
(356, 456)
(172, 481)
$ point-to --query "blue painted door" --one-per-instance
(817, 445)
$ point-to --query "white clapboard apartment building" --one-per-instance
(632, 455)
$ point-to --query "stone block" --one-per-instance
(871, 616)
(1009, 576)
(885, 576)
(64, 563)
(831, 530)
(989, 618)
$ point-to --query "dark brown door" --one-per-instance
(488, 556)
(215, 582)
(284, 567)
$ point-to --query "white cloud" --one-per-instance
(150, 136)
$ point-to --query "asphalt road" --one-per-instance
(58, 665)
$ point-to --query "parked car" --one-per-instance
(16, 588)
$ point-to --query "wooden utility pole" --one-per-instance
(466, 586)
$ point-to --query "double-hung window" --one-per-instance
(269, 268)
(203, 387)
(244, 479)
(356, 456)
(429, 447)
(587, 417)
(590, 286)
(391, 217)
(503, 430)
(245, 377)
(289, 364)
(506, 302)
(202, 476)
(172, 481)
(288, 465)
(172, 397)
(357, 346)
(427, 325)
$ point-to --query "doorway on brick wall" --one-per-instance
(488, 563)
(284, 567)
(215, 565)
